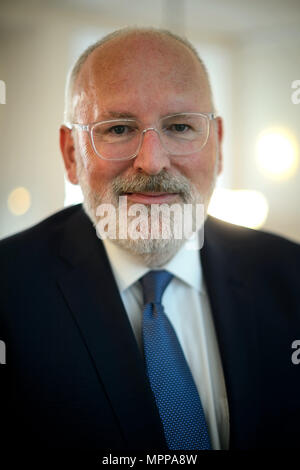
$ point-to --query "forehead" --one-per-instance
(145, 74)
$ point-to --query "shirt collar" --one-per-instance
(128, 268)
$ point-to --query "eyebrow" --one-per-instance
(118, 115)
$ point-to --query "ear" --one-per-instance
(220, 133)
(68, 153)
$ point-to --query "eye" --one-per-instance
(179, 128)
(119, 130)
(114, 132)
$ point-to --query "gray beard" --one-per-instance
(152, 252)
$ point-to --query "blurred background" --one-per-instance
(252, 52)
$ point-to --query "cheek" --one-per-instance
(200, 168)
(99, 173)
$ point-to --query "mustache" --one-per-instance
(162, 183)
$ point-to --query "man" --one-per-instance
(82, 370)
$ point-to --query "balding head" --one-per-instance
(132, 48)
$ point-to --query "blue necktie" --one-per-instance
(170, 378)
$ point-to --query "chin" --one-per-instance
(152, 252)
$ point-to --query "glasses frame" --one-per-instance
(89, 128)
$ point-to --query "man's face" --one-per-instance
(145, 78)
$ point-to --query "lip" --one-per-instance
(151, 197)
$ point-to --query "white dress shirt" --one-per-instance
(187, 306)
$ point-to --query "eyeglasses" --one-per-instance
(121, 139)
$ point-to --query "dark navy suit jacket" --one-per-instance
(74, 377)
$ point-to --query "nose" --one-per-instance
(152, 157)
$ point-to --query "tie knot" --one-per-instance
(154, 284)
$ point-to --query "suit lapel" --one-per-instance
(232, 300)
(92, 295)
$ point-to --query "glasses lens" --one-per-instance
(116, 139)
(182, 134)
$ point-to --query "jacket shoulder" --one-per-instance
(250, 241)
(31, 240)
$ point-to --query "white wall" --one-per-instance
(33, 69)
(267, 67)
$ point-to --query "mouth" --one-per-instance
(151, 197)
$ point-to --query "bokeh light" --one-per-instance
(241, 207)
(19, 201)
(277, 153)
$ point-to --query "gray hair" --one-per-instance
(75, 69)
